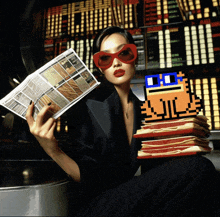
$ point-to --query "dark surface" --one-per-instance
(29, 172)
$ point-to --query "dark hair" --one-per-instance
(107, 32)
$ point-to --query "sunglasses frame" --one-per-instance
(115, 55)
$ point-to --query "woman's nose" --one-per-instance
(116, 62)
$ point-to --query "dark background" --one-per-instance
(21, 53)
(21, 39)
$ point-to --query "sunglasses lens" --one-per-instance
(104, 60)
(152, 81)
(126, 55)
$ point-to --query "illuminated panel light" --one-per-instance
(130, 16)
(68, 45)
(88, 52)
(199, 16)
(202, 45)
(215, 3)
(101, 18)
(159, 21)
(77, 49)
(165, 11)
(110, 17)
(82, 22)
(161, 49)
(91, 20)
(81, 49)
(198, 4)
(118, 12)
(72, 44)
(105, 18)
(58, 124)
(126, 16)
(91, 62)
(210, 43)
(206, 12)
(96, 20)
(215, 103)
(195, 45)
(87, 22)
(168, 48)
(188, 46)
(191, 17)
(191, 6)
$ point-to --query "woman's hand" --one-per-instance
(43, 128)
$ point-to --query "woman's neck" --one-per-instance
(123, 92)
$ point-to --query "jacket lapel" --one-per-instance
(109, 116)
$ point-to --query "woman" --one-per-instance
(101, 154)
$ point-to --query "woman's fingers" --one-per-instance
(51, 130)
(43, 128)
(43, 115)
(47, 128)
(44, 125)
(29, 114)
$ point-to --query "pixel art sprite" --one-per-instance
(168, 96)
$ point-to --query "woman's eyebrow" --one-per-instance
(117, 48)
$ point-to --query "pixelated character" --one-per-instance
(168, 96)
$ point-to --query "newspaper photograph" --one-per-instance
(62, 82)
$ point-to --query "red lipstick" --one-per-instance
(119, 73)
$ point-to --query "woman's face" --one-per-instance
(118, 73)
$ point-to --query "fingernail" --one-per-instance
(49, 103)
(30, 102)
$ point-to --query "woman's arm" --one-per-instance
(43, 130)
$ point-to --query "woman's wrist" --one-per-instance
(54, 152)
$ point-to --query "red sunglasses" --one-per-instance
(127, 54)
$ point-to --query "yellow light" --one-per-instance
(214, 91)
(213, 82)
(207, 103)
(206, 14)
(215, 96)
(215, 107)
(199, 16)
(208, 114)
(216, 113)
(215, 102)
(191, 17)
(217, 126)
(206, 97)
(198, 87)
(66, 128)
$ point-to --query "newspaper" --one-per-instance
(62, 82)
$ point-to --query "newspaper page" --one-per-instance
(62, 82)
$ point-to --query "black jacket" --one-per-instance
(98, 141)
